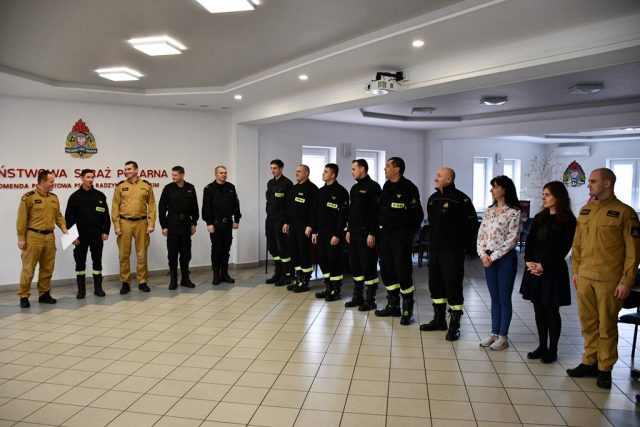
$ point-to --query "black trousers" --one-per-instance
(446, 272)
(92, 241)
(179, 243)
(396, 266)
(329, 257)
(220, 245)
(363, 259)
(277, 242)
(300, 246)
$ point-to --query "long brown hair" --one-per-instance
(563, 204)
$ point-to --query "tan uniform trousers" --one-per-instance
(41, 250)
(598, 311)
(138, 231)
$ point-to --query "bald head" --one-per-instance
(444, 177)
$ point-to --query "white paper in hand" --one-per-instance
(67, 239)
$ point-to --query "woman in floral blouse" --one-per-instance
(497, 239)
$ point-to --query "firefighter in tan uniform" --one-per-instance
(605, 256)
(38, 214)
(134, 216)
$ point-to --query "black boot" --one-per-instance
(185, 280)
(393, 306)
(173, 283)
(125, 289)
(286, 277)
(224, 273)
(276, 274)
(327, 289)
(216, 274)
(357, 299)
(82, 287)
(453, 334)
(439, 322)
(407, 309)
(334, 292)
(297, 278)
(303, 284)
(97, 285)
(46, 298)
(370, 299)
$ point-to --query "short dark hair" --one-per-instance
(131, 162)
(178, 169)
(607, 175)
(43, 175)
(333, 168)
(86, 171)
(362, 163)
(277, 162)
(397, 162)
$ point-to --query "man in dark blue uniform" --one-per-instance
(278, 191)
(87, 209)
(400, 217)
(179, 214)
(452, 226)
(362, 232)
(221, 212)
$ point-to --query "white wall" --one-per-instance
(33, 136)
(285, 140)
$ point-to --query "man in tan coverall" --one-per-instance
(134, 216)
(605, 256)
(38, 214)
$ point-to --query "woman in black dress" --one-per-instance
(546, 280)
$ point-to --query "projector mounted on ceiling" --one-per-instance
(384, 83)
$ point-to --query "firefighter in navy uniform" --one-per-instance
(362, 231)
(400, 217)
(328, 221)
(452, 226)
(302, 201)
(38, 213)
(278, 190)
(221, 212)
(178, 214)
(87, 208)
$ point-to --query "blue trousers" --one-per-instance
(501, 276)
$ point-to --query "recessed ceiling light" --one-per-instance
(158, 45)
(417, 43)
(494, 100)
(303, 77)
(586, 88)
(119, 74)
(237, 97)
(224, 6)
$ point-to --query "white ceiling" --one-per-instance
(49, 49)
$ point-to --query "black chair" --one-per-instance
(633, 301)
(421, 244)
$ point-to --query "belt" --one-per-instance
(134, 219)
(40, 231)
(180, 216)
(219, 220)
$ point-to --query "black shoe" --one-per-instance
(389, 311)
(285, 280)
(297, 281)
(407, 309)
(357, 299)
(82, 288)
(173, 281)
(537, 353)
(24, 302)
(224, 274)
(370, 299)
(143, 287)
(439, 321)
(453, 333)
(327, 288)
(125, 289)
(548, 357)
(301, 285)
(47, 299)
(583, 370)
(276, 275)
(604, 379)
(97, 285)
(334, 292)
(185, 280)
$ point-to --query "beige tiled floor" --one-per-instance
(253, 354)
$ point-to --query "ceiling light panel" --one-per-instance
(494, 100)
(158, 45)
(303, 77)
(417, 43)
(225, 6)
(119, 74)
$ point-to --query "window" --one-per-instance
(627, 180)
(482, 172)
(512, 170)
(316, 158)
(376, 160)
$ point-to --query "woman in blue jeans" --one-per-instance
(497, 239)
